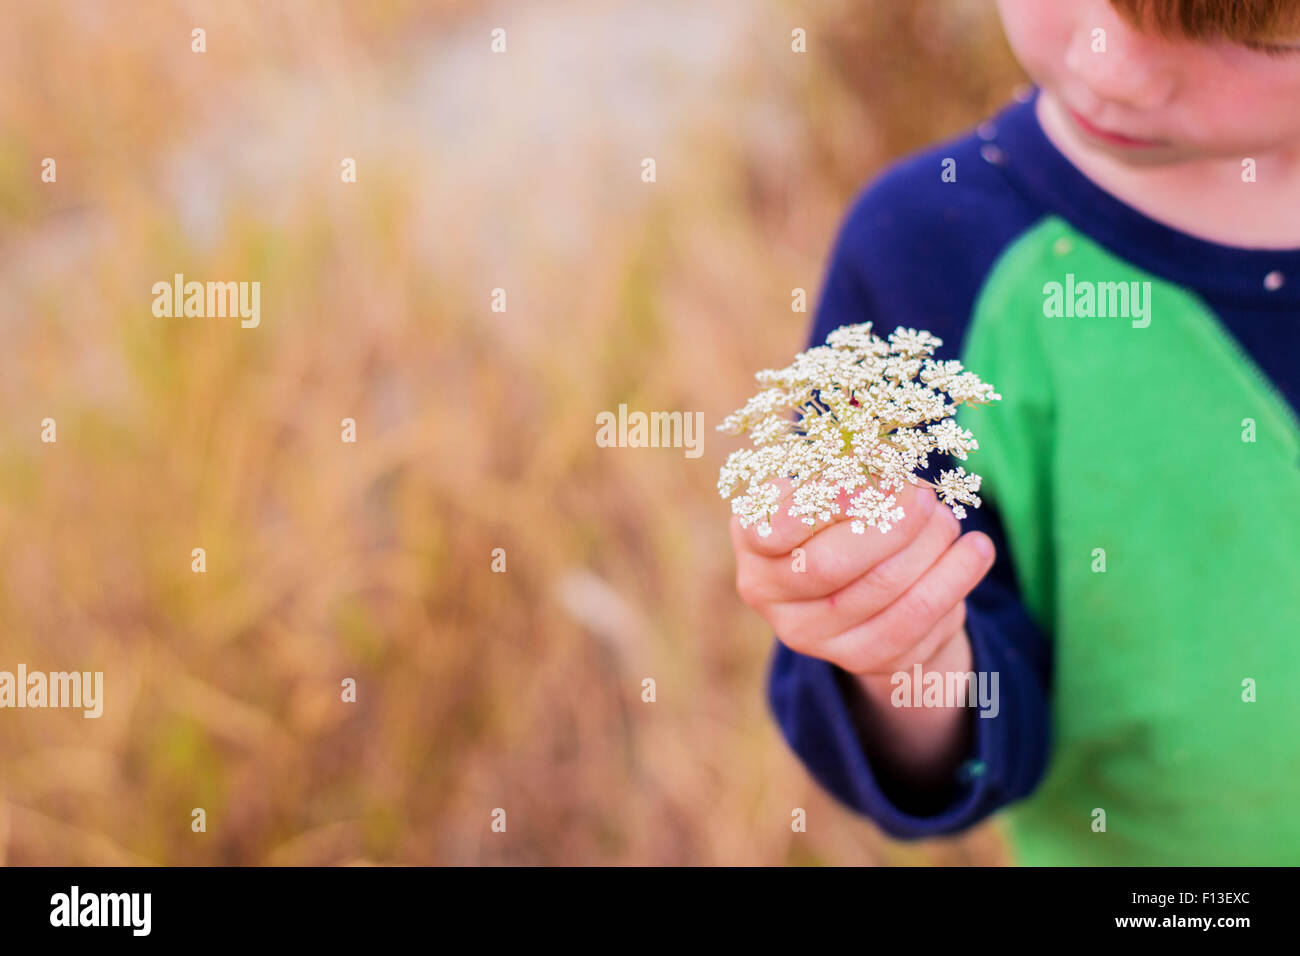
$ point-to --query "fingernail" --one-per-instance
(982, 545)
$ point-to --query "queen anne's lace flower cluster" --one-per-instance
(871, 413)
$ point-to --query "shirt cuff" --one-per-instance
(811, 703)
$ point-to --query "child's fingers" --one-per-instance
(875, 645)
(835, 556)
(875, 589)
(933, 642)
(787, 533)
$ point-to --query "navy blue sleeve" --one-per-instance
(913, 251)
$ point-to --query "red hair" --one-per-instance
(1209, 19)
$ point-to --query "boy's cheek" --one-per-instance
(1212, 125)
(1039, 34)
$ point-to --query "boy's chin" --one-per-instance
(1055, 115)
(1163, 155)
(1167, 155)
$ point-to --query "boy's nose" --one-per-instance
(1135, 70)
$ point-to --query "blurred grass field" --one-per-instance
(476, 429)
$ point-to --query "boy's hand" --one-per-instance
(872, 603)
(875, 604)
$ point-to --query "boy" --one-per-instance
(1119, 255)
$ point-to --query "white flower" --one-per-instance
(865, 426)
(912, 343)
(957, 486)
(951, 439)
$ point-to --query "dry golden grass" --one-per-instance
(476, 429)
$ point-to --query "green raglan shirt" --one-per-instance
(1142, 483)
